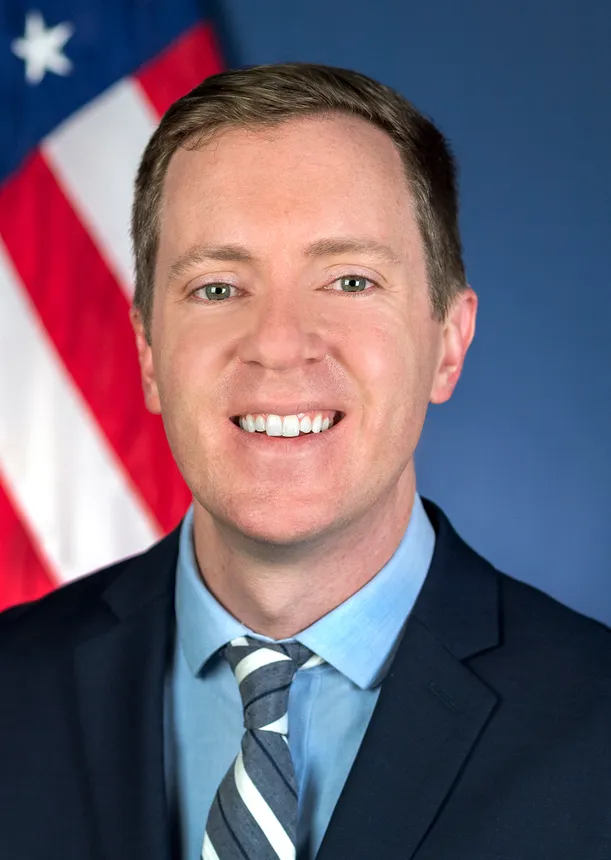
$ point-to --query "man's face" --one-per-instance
(283, 217)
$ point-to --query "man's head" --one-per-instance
(297, 246)
(266, 96)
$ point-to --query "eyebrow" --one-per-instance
(322, 248)
(201, 253)
(335, 247)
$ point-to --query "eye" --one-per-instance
(353, 283)
(213, 292)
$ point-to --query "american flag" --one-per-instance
(86, 475)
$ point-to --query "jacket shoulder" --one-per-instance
(538, 625)
(76, 610)
(464, 584)
(61, 608)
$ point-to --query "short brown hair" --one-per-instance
(263, 96)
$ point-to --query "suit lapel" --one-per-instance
(120, 686)
(430, 713)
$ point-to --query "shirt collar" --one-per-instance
(358, 637)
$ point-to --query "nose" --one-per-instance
(283, 332)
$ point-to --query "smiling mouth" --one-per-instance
(293, 426)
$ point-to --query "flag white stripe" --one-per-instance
(262, 657)
(61, 472)
(275, 833)
(208, 852)
(94, 156)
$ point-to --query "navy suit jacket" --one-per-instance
(491, 738)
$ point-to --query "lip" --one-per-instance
(307, 444)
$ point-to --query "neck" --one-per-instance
(279, 591)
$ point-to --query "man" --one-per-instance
(314, 664)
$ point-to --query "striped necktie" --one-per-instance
(254, 812)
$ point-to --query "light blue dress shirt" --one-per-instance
(329, 706)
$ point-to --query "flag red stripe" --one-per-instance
(185, 63)
(23, 574)
(86, 316)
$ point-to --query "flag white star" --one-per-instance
(41, 48)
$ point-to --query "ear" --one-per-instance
(457, 334)
(147, 366)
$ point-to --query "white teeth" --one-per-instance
(273, 425)
(305, 425)
(289, 425)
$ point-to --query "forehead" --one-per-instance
(312, 172)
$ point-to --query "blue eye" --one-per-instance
(353, 283)
(213, 292)
(218, 291)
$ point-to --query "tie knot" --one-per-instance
(264, 672)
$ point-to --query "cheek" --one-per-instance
(395, 364)
(181, 378)
(389, 363)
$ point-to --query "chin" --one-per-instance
(281, 525)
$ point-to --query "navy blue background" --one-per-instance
(519, 458)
